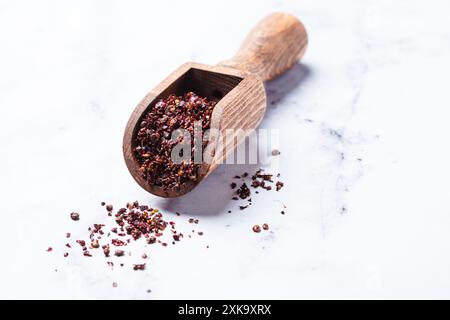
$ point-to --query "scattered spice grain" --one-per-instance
(275, 152)
(75, 216)
(243, 192)
(256, 228)
(119, 253)
(279, 185)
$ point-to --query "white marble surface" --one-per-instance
(373, 86)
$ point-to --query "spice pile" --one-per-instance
(153, 144)
(131, 223)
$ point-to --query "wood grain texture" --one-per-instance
(271, 48)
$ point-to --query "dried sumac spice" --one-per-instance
(153, 143)
(279, 185)
(139, 266)
(75, 216)
(119, 253)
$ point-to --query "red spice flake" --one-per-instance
(118, 243)
(279, 185)
(233, 185)
(256, 228)
(144, 256)
(151, 240)
(282, 212)
(176, 237)
(109, 207)
(243, 207)
(103, 204)
(256, 183)
(66, 254)
(106, 250)
(243, 192)
(81, 242)
(67, 235)
(164, 244)
(87, 254)
(177, 213)
(68, 245)
(152, 144)
(110, 264)
(119, 253)
(114, 284)
(237, 177)
(97, 228)
(49, 249)
(265, 226)
(191, 220)
(200, 233)
(75, 216)
(139, 266)
(245, 175)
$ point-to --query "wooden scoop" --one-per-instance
(273, 46)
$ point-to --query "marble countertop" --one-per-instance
(362, 123)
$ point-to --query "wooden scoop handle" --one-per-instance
(274, 45)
